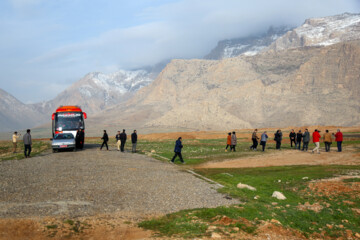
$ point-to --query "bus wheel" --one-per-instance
(54, 151)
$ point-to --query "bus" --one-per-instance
(68, 119)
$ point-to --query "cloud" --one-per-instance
(67, 39)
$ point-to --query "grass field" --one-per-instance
(6, 149)
(304, 210)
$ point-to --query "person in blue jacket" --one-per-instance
(177, 150)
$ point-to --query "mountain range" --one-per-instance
(301, 76)
(250, 45)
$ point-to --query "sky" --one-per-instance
(46, 45)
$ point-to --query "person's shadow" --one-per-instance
(91, 146)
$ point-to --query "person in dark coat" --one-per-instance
(134, 141)
(177, 150)
(81, 138)
(233, 142)
(292, 137)
(105, 139)
(278, 139)
(27, 143)
(306, 140)
(298, 139)
(255, 139)
(123, 138)
(77, 139)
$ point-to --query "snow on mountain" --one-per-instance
(97, 91)
(120, 82)
(323, 31)
(247, 45)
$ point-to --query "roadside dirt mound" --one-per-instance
(100, 227)
(335, 187)
(288, 157)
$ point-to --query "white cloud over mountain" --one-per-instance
(58, 42)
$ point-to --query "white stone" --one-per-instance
(241, 186)
(215, 236)
(278, 195)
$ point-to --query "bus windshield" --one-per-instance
(69, 121)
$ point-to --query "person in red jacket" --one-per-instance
(316, 140)
(339, 139)
(228, 142)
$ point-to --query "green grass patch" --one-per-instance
(352, 180)
(198, 151)
(259, 206)
(6, 149)
(51, 226)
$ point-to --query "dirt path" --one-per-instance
(289, 157)
(106, 191)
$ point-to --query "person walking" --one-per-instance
(292, 137)
(118, 141)
(15, 137)
(339, 139)
(233, 142)
(134, 141)
(228, 142)
(263, 140)
(105, 139)
(123, 138)
(254, 139)
(27, 143)
(327, 140)
(298, 140)
(316, 140)
(278, 139)
(177, 150)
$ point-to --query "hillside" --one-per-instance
(15, 115)
(303, 86)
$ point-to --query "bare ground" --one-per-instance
(289, 157)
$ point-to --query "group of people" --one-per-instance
(295, 140)
(120, 140)
(26, 140)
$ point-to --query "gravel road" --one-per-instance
(91, 182)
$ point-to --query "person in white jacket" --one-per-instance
(15, 136)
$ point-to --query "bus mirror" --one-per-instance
(85, 116)
(53, 116)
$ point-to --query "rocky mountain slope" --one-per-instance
(250, 45)
(96, 91)
(294, 86)
(321, 32)
(15, 115)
